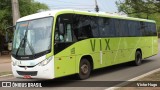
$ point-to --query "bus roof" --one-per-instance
(100, 14)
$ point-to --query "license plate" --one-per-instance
(27, 76)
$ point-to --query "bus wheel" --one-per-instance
(138, 58)
(84, 69)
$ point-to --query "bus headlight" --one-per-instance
(14, 63)
(45, 62)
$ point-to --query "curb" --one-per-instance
(133, 79)
(6, 75)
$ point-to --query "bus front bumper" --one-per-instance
(37, 71)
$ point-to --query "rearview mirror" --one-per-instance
(10, 27)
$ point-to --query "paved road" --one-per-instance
(121, 72)
(5, 65)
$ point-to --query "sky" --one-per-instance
(88, 5)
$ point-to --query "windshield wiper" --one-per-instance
(21, 42)
(30, 47)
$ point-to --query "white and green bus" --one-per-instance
(58, 43)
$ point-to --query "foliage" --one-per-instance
(30, 6)
(5, 15)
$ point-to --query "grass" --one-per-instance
(153, 77)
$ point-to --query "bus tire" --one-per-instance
(84, 69)
(138, 58)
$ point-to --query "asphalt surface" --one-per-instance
(122, 72)
(5, 67)
(5, 63)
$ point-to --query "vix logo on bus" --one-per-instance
(93, 44)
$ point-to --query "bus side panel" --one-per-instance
(104, 52)
(65, 62)
(149, 46)
(64, 65)
(155, 45)
(88, 47)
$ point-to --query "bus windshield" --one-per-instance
(32, 37)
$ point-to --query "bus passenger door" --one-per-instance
(63, 50)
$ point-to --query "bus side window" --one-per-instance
(117, 27)
(68, 33)
(58, 32)
(82, 27)
(64, 32)
(153, 29)
(94, 24)
(142, 28)
(101, 27)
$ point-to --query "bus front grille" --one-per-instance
(32, 73)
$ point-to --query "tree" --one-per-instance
(5, 15)
(30, 6)
(147, 9)
(26, 7)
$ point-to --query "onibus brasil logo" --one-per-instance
(20, 84)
